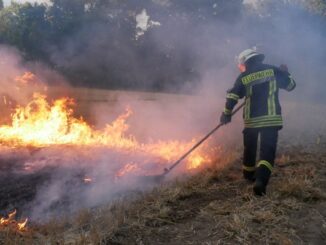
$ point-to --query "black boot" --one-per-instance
(259, 188)
(262, 178)
(249, 175)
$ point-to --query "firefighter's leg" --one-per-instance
(268, 144)
(250, 137)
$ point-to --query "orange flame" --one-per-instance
(27, 77)
(88, 180)
(11, 216)
(126, 169)
(22, 225)
(12, 223)
(42, 124)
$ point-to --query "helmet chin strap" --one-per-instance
(242, 67)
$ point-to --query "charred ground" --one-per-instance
(214, 207)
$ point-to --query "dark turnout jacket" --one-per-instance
(260, 85)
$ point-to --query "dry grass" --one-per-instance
(213, 207)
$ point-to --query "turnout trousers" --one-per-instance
(268, 145)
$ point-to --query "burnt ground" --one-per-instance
(214, 207)
(19, 186)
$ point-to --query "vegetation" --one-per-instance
(214, 207)
(93, 42)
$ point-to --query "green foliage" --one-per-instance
(23, 25)
(316, 6)
(67, 34)
(66, 16)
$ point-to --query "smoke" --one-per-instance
(200, 44)
(81, 178)
(20, 79)
(193, 47)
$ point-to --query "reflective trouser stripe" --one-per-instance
(249, 168)
(266, 164)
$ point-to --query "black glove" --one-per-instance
(225, 119)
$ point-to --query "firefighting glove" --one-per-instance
(225, 118)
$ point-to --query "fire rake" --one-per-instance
(176, 163)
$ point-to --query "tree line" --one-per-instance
(93, 42)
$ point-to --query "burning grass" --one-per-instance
(45, 146)
(214, 206)
(41, 124)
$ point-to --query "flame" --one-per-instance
(26, 78)
(11, 216)
(28, 81)
(22, 225)
(88, 180)
(12, 223)
(126, 169)
(40, 124)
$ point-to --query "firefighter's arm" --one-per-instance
(232, 97)
(284, 78)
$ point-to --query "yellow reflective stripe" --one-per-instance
(227, 111)
(264, 121)
(265, 118)
(269, 103)
(271, 98)
(247, 109)
(249, 168)
(232, 96)
(257, 75)
(266, 164)
(265, 124)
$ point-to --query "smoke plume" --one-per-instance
(195, 49)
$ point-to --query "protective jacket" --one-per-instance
(260, 85)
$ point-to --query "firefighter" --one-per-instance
(259, 84)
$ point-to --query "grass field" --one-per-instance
(215, 206)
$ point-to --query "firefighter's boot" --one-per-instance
(249, 175)
(263, 174)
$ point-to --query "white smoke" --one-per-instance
(144, 23)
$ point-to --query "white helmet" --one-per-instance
(247, 54)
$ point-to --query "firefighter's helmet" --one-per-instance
(247, 54)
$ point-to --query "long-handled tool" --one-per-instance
(168, 170)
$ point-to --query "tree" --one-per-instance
(316, 6)
(1, 4)
(24, 26)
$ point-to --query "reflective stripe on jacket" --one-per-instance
(260, 85)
